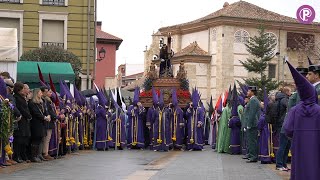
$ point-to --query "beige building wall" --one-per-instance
(201, 38)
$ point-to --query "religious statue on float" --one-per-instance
(165, 56)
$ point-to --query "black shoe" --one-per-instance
(35, 159)
(19, 161)
(251, 161)
(245, 157)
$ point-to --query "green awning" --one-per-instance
(27, 71)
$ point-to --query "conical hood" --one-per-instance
(118, 97)
(83, 99)
(3, 89)
(234, 94)
(116, 105)
(174, 97)
(105, 98)
(211, 109)
(102, 101)
(309, 61)
(161, 100)
(77, 96)
(241, 100)
(195, 98)
(68, 93)
(265, 99)
(305, 89)
(63, 92)
(136, 96)
(155, 98)
(244, 89)
(234, 109)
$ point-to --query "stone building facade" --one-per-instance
(213, 46)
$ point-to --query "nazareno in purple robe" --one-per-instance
(195, 117)
(177, 127)
(235, 125)
(109, 142)
(162, 129)
(118, 130)
(101, 128)
(135, 128)
(302, 124)
(264, 140)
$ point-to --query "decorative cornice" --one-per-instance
(11, 10)
(50, 12)
(187, 59)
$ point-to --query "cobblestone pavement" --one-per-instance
(140, 165)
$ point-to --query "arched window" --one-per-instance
(272, 36)
(214, 34)
(241, 36)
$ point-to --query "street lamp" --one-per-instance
(278, 56)
(102, 54)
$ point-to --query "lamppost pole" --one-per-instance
(88, 43)
(278, 56)
(95, 44)
(285, 58)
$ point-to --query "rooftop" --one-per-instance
(241, 9)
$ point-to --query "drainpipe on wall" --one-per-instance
(88, 44)
(209, 66)
(95, 43)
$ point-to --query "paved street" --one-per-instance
(140, 165)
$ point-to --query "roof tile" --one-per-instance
(103, 35)
(192, 49)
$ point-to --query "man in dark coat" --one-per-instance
(22, 132)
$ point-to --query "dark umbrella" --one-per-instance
(89, 92)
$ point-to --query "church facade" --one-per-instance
(213, 46)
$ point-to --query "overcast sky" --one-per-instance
(135, 21)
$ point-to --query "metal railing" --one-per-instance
(9, 1)
(53, 44)
(53, 2)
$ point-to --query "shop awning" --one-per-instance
(27, 71)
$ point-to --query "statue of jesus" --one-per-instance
(165, 55)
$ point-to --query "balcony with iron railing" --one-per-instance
(52, 44)
(10, 1)
(53, 2)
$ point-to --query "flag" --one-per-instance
(54, 90)
(40, 74)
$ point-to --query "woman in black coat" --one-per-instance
(39, 117)
(22, 132)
